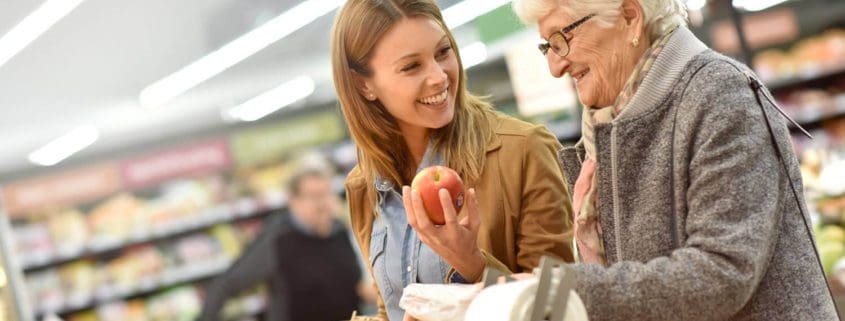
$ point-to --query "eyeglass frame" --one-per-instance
(544, 47)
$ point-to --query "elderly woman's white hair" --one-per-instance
(660, 15)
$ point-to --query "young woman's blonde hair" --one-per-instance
(381, 147)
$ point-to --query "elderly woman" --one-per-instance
(686, 191)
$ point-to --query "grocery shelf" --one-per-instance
(237, 210)
(805, 78)
(809, 116)
(169, 278)
(254, 307)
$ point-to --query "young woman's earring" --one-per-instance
(635, 42)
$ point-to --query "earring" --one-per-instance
(371, 97)
(635, 42)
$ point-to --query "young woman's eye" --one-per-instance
(444, 51)
(410, 67)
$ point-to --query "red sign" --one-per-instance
(67, 189)
(761, 29)
(181, 162)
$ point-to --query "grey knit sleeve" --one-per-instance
(730, 224)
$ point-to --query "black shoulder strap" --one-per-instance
(757, 87)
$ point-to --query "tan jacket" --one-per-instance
(525, 209)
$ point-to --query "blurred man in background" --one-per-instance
(304, 256)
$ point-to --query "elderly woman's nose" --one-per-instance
(558, 66)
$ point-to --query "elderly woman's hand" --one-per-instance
(454, 241)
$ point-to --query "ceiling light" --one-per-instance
(162, 91)
(473, 54)
(467, 10)
(273, 100)
(65, 146)
(33, 26)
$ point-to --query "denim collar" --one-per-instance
(430, 158)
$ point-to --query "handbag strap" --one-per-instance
(757, 88)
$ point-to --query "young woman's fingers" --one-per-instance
(473, 212)
(423, 222)
(449, 214)
(409, 207)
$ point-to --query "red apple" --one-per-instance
(428, 183)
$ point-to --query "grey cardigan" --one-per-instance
(699, 217)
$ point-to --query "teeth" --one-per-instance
(436, 99)
(580, 74)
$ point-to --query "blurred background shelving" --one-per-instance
(134, 225)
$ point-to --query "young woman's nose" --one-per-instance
(437, 75)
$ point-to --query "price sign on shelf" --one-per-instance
(183, 161)
(266, 143)
(67, 189)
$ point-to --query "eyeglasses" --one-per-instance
(558, 41)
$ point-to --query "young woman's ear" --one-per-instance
(364, 87)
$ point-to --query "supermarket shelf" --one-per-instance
(811, 116)
(805, 78)
(185, 274)
(241, 209)
(254, 307)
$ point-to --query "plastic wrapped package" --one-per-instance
(514, 301)
(509, 301)
(438, 302)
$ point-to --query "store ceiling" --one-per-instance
(90, 67)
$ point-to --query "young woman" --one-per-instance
(402, 89)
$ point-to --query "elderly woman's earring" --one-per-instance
(636, 42)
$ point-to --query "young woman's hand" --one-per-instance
(454, 241)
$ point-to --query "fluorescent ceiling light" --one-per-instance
(756, 5)
(31, 27)
(64, 146)
(162, 91)
(467, 10)
(273, 100)
(473, 54)
(696, 5)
